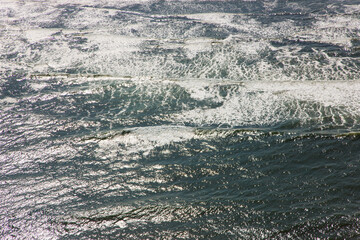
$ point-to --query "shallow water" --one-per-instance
(179, 120)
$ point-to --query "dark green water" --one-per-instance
(179, 120)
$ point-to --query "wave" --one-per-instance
(126, 40)
(336, 226)
(317, 105)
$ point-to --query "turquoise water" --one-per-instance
(179, 120)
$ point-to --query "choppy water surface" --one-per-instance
(180, 119)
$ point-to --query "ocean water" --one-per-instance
(180, 119)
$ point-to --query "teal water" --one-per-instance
(179, 120)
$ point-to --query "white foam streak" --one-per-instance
(96, 38)
(267, 103)
(142, 141)
(337, 30)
